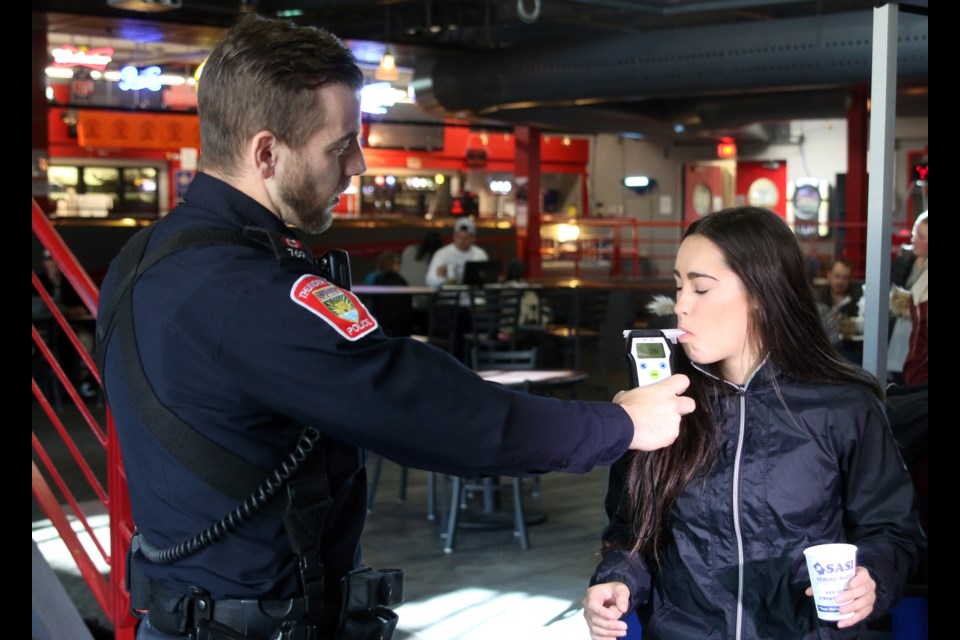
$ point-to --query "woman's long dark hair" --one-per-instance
(431, 242)
(784, 323)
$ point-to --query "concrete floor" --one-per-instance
(488, 587)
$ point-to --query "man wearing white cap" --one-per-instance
(446, 266)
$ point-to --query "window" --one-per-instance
(105, 191)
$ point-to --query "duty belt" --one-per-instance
(178, 613)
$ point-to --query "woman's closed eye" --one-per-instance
(699, 292)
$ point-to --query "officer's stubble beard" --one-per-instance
(297, 191)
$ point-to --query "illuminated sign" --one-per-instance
(133, 80)
(68, 56)
(639, 184)
(920, 171)
(726, 150)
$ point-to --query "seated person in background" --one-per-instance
(446, 266)
(840, 295)
(414, 260)
(386, 261)
(394, 311)
(838, 302)
(915, 364)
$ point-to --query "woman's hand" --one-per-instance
(603, 607)
(858, 598)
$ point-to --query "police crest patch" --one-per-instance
(338, 307)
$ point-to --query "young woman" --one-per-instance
(789, 447)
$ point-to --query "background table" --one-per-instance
(532, 377)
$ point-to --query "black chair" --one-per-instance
(574, 317)
(512, 360)
(494, 314)
(374, 484)
(489, 486)
(446, 322)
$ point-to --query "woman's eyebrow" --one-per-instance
(691, 275)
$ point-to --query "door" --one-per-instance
(702, 190)
(763, 184)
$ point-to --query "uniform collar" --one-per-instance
(215, 195)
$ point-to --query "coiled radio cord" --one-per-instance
(260, 496)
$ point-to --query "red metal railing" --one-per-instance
(108, 590)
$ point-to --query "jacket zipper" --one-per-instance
(736, 511)
(741, 391)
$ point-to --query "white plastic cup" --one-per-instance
(830, 566)
(454, 274)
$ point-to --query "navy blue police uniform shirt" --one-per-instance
(234, 344)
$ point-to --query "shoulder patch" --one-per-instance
(339, 308)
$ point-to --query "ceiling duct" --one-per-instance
(720, 61)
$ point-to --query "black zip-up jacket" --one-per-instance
(826, 470)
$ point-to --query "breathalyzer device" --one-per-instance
(650, 354)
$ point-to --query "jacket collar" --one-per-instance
(765, 371)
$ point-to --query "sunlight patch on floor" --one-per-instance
(59, 557)
(475, 614)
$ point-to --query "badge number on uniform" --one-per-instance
(339, 308)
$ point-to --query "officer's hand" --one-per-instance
(655, 410)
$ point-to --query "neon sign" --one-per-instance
(133, 80)
(66, 56)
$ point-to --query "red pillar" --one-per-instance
(527, 153)
(856, 204)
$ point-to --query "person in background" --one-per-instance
(446, 265)
(915, 363)
(789, 447)
(414, 260)
(839, 294)
(905, 268)
(839, 304)
(447, 268)
(387, 262)
(217, 328)
(393, 311)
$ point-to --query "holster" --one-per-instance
(368, 595)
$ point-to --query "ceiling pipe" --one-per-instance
(786, 54)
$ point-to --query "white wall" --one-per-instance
(816, 149)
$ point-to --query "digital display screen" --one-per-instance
(650, 350)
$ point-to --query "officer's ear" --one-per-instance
(262, 154)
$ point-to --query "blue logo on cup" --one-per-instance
(832, 567)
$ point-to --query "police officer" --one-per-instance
(220, 338)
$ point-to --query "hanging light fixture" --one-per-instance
(387, 70)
